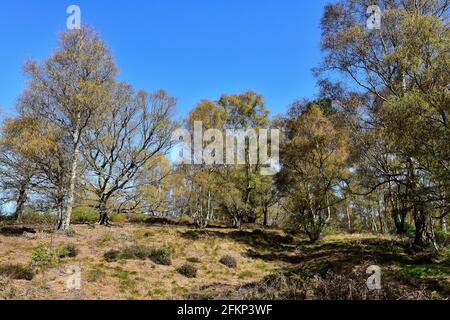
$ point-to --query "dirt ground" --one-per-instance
(258, 254)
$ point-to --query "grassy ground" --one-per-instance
(270, 264)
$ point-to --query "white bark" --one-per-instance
(65, 223)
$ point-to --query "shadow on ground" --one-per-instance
(399, 264)
(15, 231)
(258, 239)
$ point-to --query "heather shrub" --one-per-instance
(17, 272)
(161, 256)
(228, 261)
(188, 270)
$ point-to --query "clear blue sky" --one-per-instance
(195, 49)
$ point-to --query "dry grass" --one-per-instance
(131, 278)
(259, 255)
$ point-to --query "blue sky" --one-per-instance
(195, 49)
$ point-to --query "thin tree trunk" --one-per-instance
(65, 223)
(347, 210)
(382, 222)
(60, 209)
(444, 225)
(374, 224)
(209, 215)
(266, 216)
(20, 204)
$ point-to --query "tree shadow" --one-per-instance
(258, 239)
(15, 231)
(342, 258)
(348, 253)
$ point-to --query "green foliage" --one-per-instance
(314, 157)
(429, 270)
(188, 270)
(410, 230)
(68, 251)
(326, 105)
(400, 116)
(44, 256)
(118, 218)
(161, 256)
(96, 273)
(228, 261)
(84, 215)
(158, 292)
(17, 272)
(39, 218)
(443, 237)
(127, 283)
(185, 219)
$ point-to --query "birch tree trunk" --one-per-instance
(444, 225)
(349, 221)
(65, 223)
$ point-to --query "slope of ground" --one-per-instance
(270, 265)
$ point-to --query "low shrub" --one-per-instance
(188, 270)
(17, 272)
(228, 261)
(5, 218)
(134, 252)
(118, 218)
(44, 256)
(161, 256)
(442, 237)
(185, 219)
(68, 251)
(111, 255)
(127, 253)
(410, 230)
(70, 233)
(84, 215)
(329, 287)
(39, 218)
